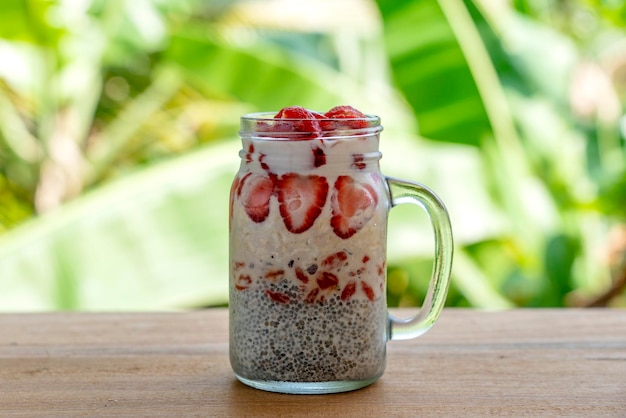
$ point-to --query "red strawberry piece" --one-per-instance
(358, 161)
(298, 119)
(301, 200)
(354, 119)
(274, 274)
(352, 205)
(327, 280)
(335, 260)
(369, 292)
(345, 112)
(318, 115)
(243, 282)
(312, 295)
(381, 269)
(233, 192)
(250, 153)
(255, 191)
(348, 291)
(263, 164)
(300, 275)
(277, 296)
(319, 158)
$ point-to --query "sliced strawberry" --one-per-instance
(348, 291)
(301, 200)
(319, 158)
(300, 275)
(359, 161)
(262, 163)
(233, 192)
(250, 153)
(274, 274)
(327, 280)
(352, 205)
(278, 297)
(298, 119)
(345, 112)
(294, 112)
(312, 295)
(243, 282)
(255, 191)
(367, 289)
(354, 119)
(336, 260)
(381, 269)
(317, 115)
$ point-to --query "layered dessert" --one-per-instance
(308, 216)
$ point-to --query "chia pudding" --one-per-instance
(308, 220)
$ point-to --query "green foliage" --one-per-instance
(118, 140)
(431, 70)
(546, 167)
(154, 240)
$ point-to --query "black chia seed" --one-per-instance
(312, 269)
(306, 342)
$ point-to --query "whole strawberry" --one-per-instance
(300, 120)
(350, 119)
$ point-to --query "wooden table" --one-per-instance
(472, 363)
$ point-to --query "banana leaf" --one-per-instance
(155, 240)
(430, 68)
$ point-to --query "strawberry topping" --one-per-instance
(303, 120)
(354, 118)
(255, 191)
(298, 123)
(301, 199)
(352, 205)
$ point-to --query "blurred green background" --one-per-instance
(118, 140)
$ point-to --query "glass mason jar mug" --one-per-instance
(308, 227)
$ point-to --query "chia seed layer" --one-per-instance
(300, 342)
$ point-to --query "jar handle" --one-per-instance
(402, 192)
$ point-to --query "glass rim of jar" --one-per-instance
(251, 122)
(270, 116)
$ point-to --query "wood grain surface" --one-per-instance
(472, 363)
